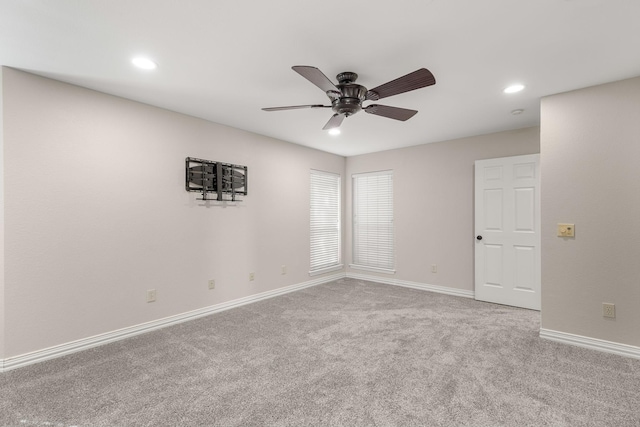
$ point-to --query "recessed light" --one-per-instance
(517, 112)
(144, 63)
(334, 131)
(514, 88)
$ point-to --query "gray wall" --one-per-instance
(590, 171)
(96, 213)
(433, 203)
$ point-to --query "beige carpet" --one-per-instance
(346, 353)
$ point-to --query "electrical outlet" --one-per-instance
(608, 310)
(151, 295)
(283, 269)
(252, 276)
(212, 284)
(434, 268)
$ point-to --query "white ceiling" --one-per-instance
(223, 60)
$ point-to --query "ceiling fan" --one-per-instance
(347, 96)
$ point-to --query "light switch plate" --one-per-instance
(566, 230)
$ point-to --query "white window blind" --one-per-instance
(373, 236)
(325, 222)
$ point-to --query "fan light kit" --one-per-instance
(514, 88)
(347, 96)
(144, 63)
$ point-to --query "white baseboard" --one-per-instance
(591, 343)
(414, 285)
(87, 343)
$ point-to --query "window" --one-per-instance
(373, 221)
(325, 222)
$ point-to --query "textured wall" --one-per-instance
(590, 169)
(433, 203)
(96, 213)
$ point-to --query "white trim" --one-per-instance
(591, 343)
(415, 285)
(374, 269)
(375, 173)
(435, 288)
(376, 279)
(87, 343)
(326, 270)
(321, 172)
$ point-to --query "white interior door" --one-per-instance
(507, 227)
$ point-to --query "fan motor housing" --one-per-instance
(352, 95)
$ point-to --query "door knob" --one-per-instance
(479, 237)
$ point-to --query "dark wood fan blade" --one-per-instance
(334, 122)
(395, 113)
(295, 107)
(316, 77)
(412, 81)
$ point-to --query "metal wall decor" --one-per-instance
(223, 180)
